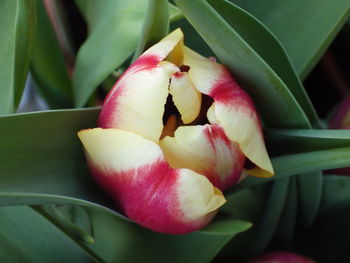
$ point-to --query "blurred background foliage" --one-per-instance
(292, 57)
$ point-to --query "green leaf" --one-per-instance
(47, 64)
(17, 23)
(269, 49)
(43, 147)
(336, 193)
(248, 204)
(310, 201)
(301, 163)
(155, 26)
(286, 227)
(271, 216)
(28, 237)
(299, 140)
(86, 12)
(62, 217)
(264, 85)
(262, 206)
(305, 28)
(302, 141)
(119, 241)
(114, 30)
(175, 13)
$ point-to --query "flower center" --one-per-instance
(182, 99)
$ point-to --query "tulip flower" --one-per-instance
(170, 178)
(282, 257)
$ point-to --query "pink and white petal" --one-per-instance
(169, 47)
(203, 72)
(205, 150)
(186, 98)
(233, 109)
(133, 171)
(238, 118)
(198, 198)
(136, 103)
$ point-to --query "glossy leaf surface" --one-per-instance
(47, 64)
(264, 85)
(114, 29)
(28, 237)
(17, 27)
(306, 38)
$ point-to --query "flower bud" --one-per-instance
(169, 177)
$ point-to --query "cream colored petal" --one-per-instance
(186, 98)
(206, 150)
(118, 150)
(136, 102)
(234, 110)
(241, 125)
(198, 198)
(137, 105)
(171, 45)
(203, 72)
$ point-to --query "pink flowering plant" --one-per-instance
(174, 131)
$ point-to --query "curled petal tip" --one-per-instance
(186, 98)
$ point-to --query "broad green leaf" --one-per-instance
(269, 49)
(299, 140)
(155, 26)
(328, 238)
(310, 200)
(264, 85)
(307, 140)
(175, 13)
(28, 237)
(47, 64)
(287, 225)
(336, 193)
(330, 233)
(119, 241)
(271, 216)
(57, 216)
(248, 204)
(40, 154)
(263, 207)
(305, 27)
(301, 163)
(86, 12)
(64, 217)
(17, 24)
(114, 30)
